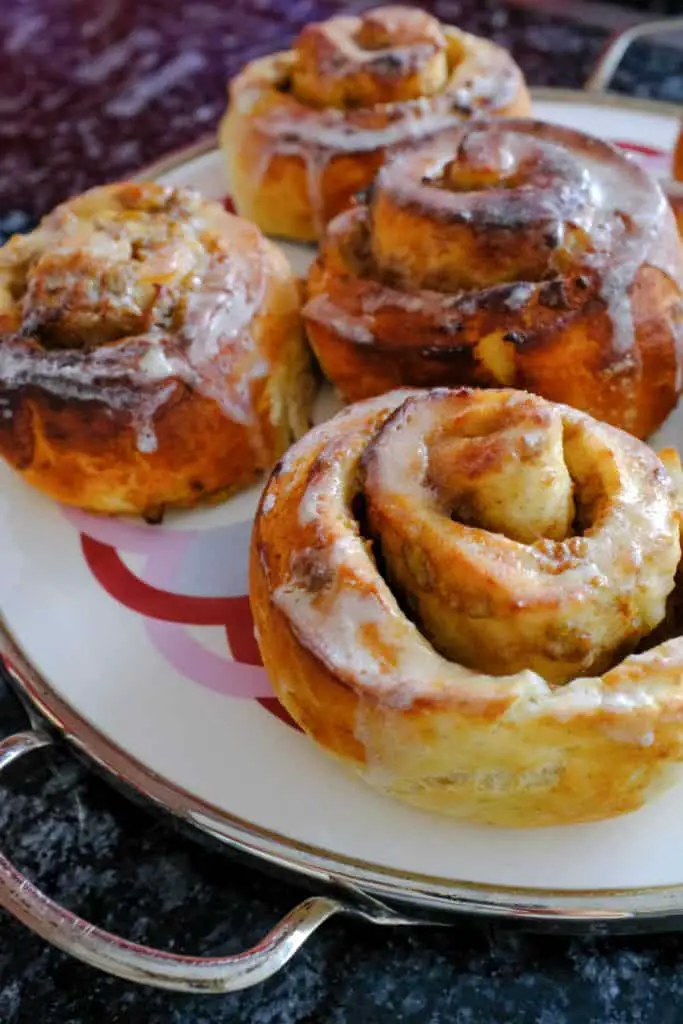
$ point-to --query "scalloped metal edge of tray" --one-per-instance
(374, 892)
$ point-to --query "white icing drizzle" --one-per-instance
(219, 311)
(316, 137)
(156, 365)
(137, 381)
(143, 420)
(356, 328)
(333, 131)
(519, 296)
(483, 79)
(351, 619)
(380, 298)
(569, 182)
(101, 267)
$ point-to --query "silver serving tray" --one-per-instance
(341, 885)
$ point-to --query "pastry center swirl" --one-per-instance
(508, 530)
(90, 280)
(482, 472)
(391, 54)
(493, 205)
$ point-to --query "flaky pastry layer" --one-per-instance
(513, 253)
(151, 351)
(308, 128)
(465, 596)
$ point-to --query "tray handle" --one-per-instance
(144, 964)
(605, 69)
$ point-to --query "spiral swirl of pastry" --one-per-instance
(150, 351)
(308, 128)
(448, 587)
(512, 253)
(386, 56)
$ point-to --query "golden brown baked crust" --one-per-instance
(151, 351)
(448, 587)
(677, 163)
(673, 187)
(308, 128)
(674, 193)
(509, 254)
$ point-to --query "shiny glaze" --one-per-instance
(358, 85)
(339, 605)
(513, 228)
(126, 293)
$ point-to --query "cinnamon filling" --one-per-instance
(388, 55)
(473, 504)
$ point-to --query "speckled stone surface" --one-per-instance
(89, 91)
(125, 869)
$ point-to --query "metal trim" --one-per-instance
(643, 909)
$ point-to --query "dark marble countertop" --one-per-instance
(89, 91)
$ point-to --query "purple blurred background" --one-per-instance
(90, 92)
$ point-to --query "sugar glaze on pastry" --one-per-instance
(462, 593)
(308, 128)
(150, 351)
(512, 253)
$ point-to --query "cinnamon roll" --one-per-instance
(151, 351)
(677, 159)
(308, 128)
(512, 253)
(462, 593)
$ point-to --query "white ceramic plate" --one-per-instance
(142, 641)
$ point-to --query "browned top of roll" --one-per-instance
(385, 56)
(128, 289)
(510, 226)
(514, 534)
(355, 84)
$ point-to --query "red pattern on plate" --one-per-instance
(234, 613)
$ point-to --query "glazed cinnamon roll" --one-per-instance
(512, 253)
(457, 593)
(151, 351)
(308, 128)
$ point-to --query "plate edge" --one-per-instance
(590, 906)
